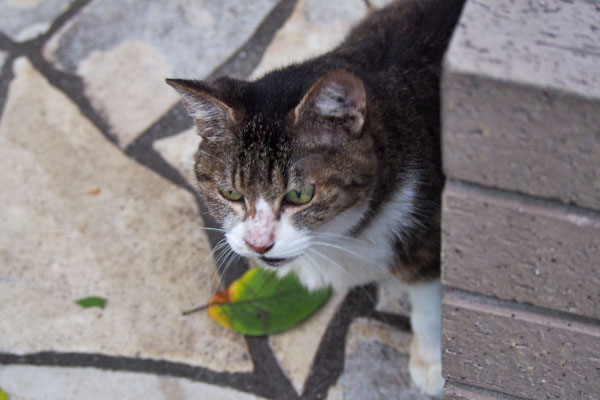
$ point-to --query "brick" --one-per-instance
(521, 94)
(453, 391)
(514, 248)
(518, 351)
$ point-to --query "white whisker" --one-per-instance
(354, 253)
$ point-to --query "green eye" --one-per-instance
(300, 196)
(231, 195)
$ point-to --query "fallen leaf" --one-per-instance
(91, 301)
(261, 303)
(93, 192)
(3, 395)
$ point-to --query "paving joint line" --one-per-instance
(6, 76)
(242, 381)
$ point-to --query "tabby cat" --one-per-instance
(331, 167)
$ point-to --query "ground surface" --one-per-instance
(97, 199)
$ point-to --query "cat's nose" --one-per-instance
(261, 249)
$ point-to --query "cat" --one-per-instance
(332, 168)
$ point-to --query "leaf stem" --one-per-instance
(193, 310)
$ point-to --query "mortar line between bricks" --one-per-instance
(527, 199)
(522, 307)
(482, 75)
(482, 391)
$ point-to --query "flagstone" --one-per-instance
(127, 85)
(296, 359)
(179, 151)
(79, 218)
(23, 20)
(54, 383)
(387, 376)
(124, 53)
(314, 28)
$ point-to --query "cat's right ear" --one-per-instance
(333, 110)
(211, 115)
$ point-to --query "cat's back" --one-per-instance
(407, 33)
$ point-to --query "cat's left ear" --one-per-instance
(333, 109)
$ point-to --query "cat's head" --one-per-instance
(282, 166)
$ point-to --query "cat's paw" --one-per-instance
(425, 374)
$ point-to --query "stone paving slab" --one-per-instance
(314, 28)
(125, 52)
(70, 230)
(386, 376)
(23, 20)
(53, 383)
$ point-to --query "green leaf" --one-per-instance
(260, 303)
(3, 395)
(91, 301)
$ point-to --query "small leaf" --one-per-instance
(260, 303)
(3, 395)
(93, 192)
(91, 301)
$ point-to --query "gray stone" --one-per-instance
(386, 376)
(125, 50)
(53, 383)
(519, 351)
(126, 84)
(22, 20)
(314, 28)
(512, 248)
(193, 36)
(521, 94)
(79, 218)
(326, 12)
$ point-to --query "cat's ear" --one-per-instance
(211, 115)
(333, 109)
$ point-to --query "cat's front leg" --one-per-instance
(425, 365)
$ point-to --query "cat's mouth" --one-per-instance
(274, 262)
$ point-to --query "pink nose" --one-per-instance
(260, 248)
